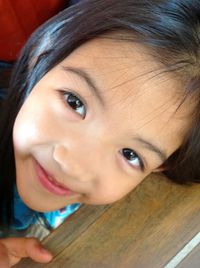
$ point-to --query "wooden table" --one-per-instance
(143, 230)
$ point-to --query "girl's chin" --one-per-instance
(38, 208)
(34, 205)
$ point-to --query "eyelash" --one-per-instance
(76, 99)
(125, 152)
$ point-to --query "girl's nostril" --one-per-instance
(60, 155)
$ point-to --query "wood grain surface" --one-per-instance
(143, 230)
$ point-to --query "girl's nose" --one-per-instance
(60, 155)
(68, 163)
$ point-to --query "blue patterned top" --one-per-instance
(24, 217)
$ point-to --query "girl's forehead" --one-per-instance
(122, 65)
(126, 74)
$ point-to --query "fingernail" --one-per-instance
(45, 251)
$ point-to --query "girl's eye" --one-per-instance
(75, 103)
(132, 158)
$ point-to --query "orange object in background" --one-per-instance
(19, 18)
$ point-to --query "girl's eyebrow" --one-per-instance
(88, 79)
(150, 146)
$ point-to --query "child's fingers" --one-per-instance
(26, 247)
(36, 251)
(4, 258)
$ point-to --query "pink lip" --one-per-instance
(50, 184)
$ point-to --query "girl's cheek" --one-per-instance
(25, 133)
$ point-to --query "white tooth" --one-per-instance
(50, 178)
(56, 183)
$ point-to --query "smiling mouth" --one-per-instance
(50, 184)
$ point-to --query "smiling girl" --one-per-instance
(103, 94)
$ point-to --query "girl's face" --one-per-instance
(98, 123)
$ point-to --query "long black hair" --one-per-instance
(170, 29)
